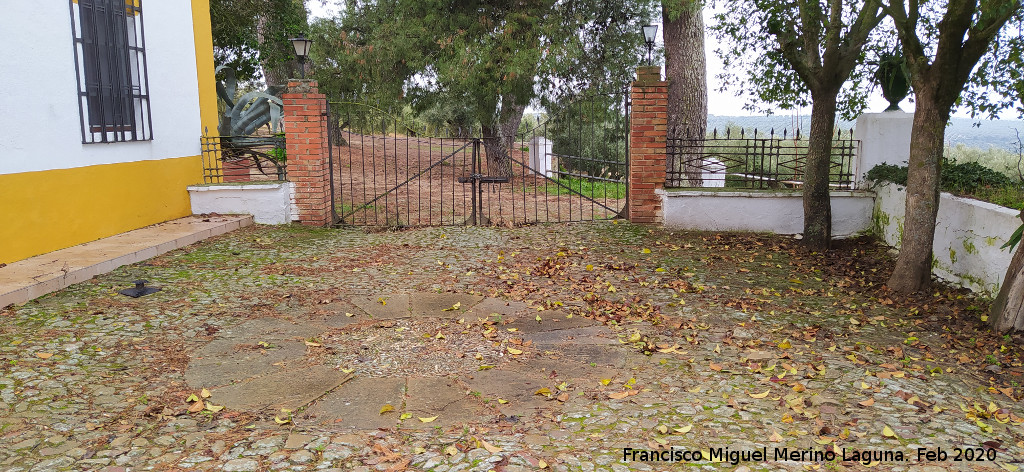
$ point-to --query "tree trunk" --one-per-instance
(686, 72)
(1007, 313)
(817, 203)
(914, 264)
(498, 140)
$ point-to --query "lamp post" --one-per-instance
(301, 45)
(650, 33)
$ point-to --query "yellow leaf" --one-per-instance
(348, 371)
(984, 427)
(205, 393)
(760, 395)
(428, 420)
(349, 314)
(386, 408)
(490, 448)
(405, 416)
(419, 450)
(192, 398)
(590, 267)
(512, 330)
(439, 335)
(785, 344)
(611, 288)
(382, 301)
(543, 391)
(787, 418)
(451, 450)
(684, 429)
(214, 408)
(606, 381)
(279, 420)
(646, 251)
(888, 432)
(514, 351)
(864, 385)
(663, 429)
(538, 318)
(502, 401)
(313, 344)
(454, 307)
(660, 269)
(541, 464)
(1009, 467)
(775, 437)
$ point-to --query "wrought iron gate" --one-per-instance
(568, 166)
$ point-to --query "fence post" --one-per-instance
(647, 145)
(305, 129)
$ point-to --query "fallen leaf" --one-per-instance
(868, 402)
(541, 464)
(775, 437)
(405, 416)
(564, 397)
(453, 307)
(618, 395)
(192, 398)
(514, 352)
(205, 393)
(490, 448)
(279, 420)
(451, 450)
(44, 355)
(543, 391)
(760, 395)
(313, 344)
(888, 432)
(214, 408)
(348, 371)
(428, 420)
(646, 251)
(785, 344)
(386, 408)
(684, 429)
(349, 315)
(197, 407)
(502, 401)
(715, 367)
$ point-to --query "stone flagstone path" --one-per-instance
(269, 365)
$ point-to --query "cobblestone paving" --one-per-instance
(670, 340)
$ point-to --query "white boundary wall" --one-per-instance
(761, 211)
(39, 96)
(268, 203)
(968, 235)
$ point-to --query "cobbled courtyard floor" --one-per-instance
(599, 346)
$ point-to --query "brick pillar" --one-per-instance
(648, 125)
(305, 129)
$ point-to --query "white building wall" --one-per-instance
(39, 112)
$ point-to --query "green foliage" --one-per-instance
(476, 62)
(595, 189)
(963, 178)
(250, 35)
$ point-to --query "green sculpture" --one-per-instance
(894, 78)
(241, 148)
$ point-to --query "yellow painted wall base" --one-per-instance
(49, 210)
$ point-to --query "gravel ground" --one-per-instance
(736, 342)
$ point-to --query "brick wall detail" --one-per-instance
(647, 144)
(305, 128)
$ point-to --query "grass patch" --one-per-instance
(595, 189)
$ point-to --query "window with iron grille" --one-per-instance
(110, 60)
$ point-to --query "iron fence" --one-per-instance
(243, 159)
(753, 160)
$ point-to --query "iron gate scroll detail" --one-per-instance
(570, 165)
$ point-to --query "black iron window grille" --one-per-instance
(110, 62)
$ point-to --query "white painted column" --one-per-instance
(540, 156)
(884, 139)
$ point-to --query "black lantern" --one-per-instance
(301, 45)
(650, 33)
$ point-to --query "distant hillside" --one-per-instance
(996, 133)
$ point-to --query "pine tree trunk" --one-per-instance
(817, 203)
(1007, 313)
(914, 264)
(686, 72)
